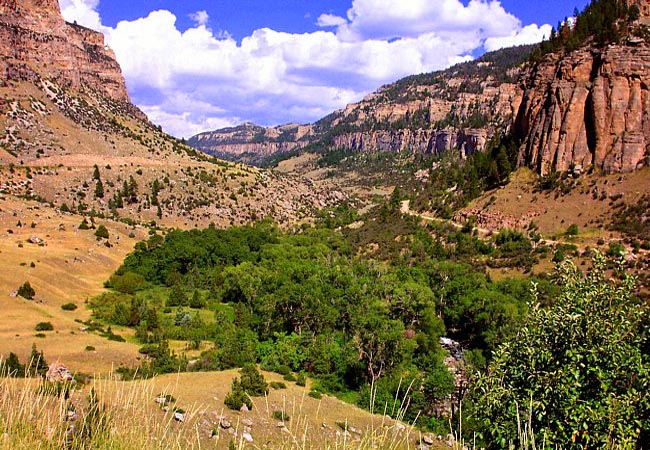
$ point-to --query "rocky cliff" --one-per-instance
(459, 109)
(35, 42)
(589, 109)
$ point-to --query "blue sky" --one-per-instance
(195, 65)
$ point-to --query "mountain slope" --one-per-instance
(584, 104)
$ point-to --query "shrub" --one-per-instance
(301, 380)
(252, 381)
(277, 385)
(289, 377)
(237, 397)
(69, 307)
(90, 348)
(280, 415)
(26, 291)
(572, 230)
(101, 232)
(315, 394)
(44, 326)
(578, 371)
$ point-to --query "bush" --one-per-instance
(572, 230)
(44, 326)
(101, 232)
(315, 394)
(289, 377)
(26, 291)
(69, 307)
(252, 381)
(280, 415)
(578, 371)
(90, 348)
(236, 398)
(301, 380)
(277, 385)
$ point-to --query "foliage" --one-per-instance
(252, 381)
(578, 371)
(44, 326)
(237, 397)
(26, 291)
(101, 232)
(602, 21)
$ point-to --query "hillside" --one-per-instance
(76, 155)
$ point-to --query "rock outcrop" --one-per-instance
(590, 108)
(35, 42)
(458, 110)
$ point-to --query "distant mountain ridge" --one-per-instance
(587, 107)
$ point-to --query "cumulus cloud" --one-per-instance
(329, 20)
(201, 18)
(84, 12)
(196, 80)
(529, 34)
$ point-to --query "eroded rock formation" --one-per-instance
(591, 108)
(36, 42)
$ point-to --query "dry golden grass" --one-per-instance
(71, 266)
(557, 212)
(30, 419)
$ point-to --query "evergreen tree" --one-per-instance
(99, 189)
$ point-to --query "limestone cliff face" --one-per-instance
(35, 42)
(457, 110)
(429, 141)
(590, 108)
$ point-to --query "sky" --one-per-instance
(200, 65)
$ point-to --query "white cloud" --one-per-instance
(329, 20)
(196, 80)
(200, 18)
(84, 12)
(530, 34)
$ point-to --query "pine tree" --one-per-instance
(99, 189)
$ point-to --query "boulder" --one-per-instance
(58, 373)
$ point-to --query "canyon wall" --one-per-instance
(35, 42)
(590, 109)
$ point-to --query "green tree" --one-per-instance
(237, 397)
(101, 232)
(578, 371)
(177, 296)
(11, 366)
(96, 173)
(37, 364)
(99, 189)
(252, 381)
(197, 301)
(26, 291)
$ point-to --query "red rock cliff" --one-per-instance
(35, 41)
(590, 108)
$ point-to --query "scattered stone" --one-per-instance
(427, 439)
(421, 447)
(179, 417)
(354, 430)
(247, 437)
(36, 240)
(244, 408)
(58, 373)
(225, 424)
(280, 424)
(71, 416)
(160, 400)
(247, 422)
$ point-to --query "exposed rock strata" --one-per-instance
(35, 42)
(590, 109)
